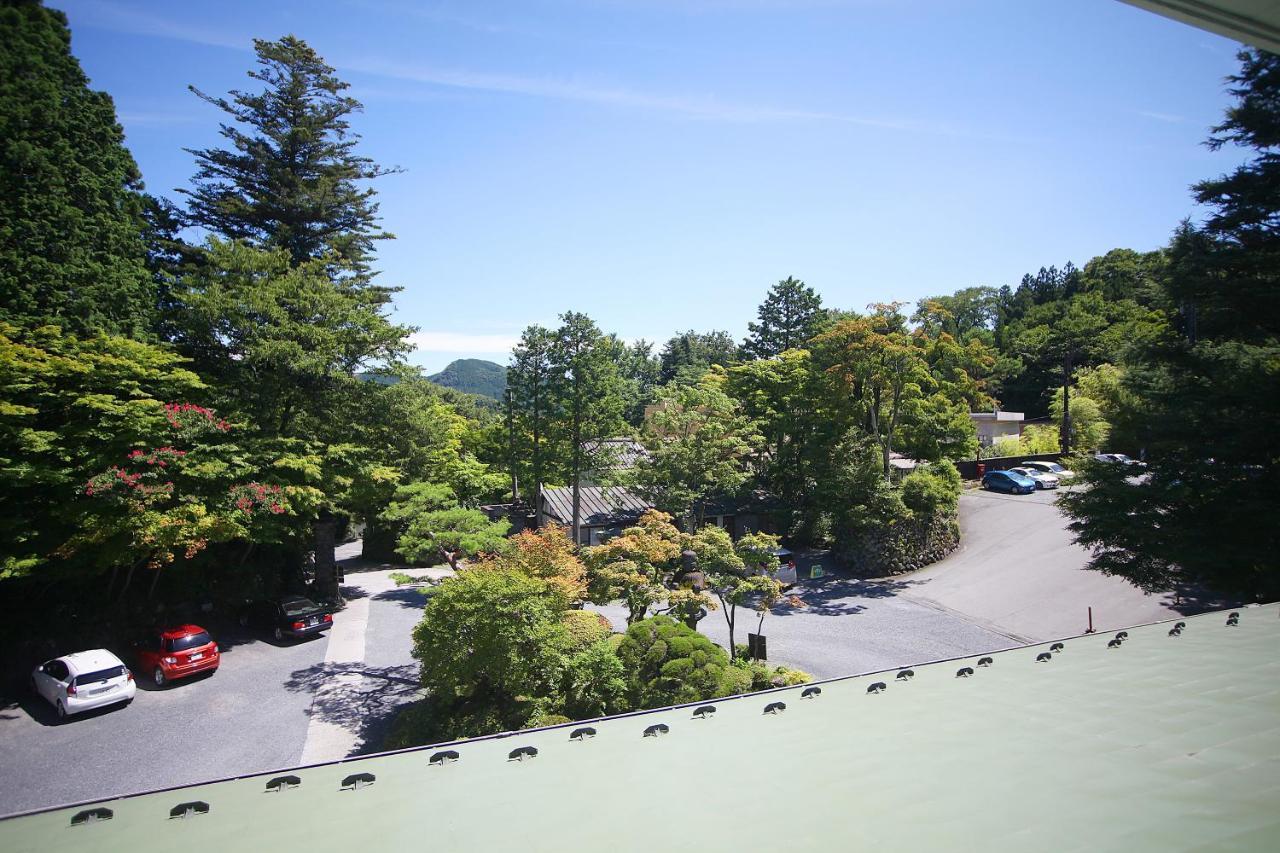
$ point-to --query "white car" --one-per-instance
(1051, 468)
(1040, 478)
(83, 680)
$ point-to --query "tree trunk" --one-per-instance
(730, 618)
(155, 578)
(577, 463)
(324, 531)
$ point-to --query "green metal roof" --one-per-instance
(1160, 743)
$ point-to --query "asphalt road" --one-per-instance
(1017, 571)
(266, 707)
(1016, 577)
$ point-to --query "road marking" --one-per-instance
(327, 740)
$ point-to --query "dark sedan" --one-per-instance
(287, 616)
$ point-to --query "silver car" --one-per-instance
(1051, 468)
(1040, 478)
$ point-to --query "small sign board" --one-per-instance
(756, 647)
(815, 571)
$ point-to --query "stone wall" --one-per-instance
(902, 547)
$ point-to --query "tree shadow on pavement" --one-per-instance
(356, 697)
(1188, 600)
(414, 598)
(836, 597)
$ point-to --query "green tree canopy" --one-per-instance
(1207, 391)
(71, 248)
(698, 443)
(291, 178)
(790, 315)
(668, 663)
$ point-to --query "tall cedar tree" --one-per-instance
(789, 316)
(71, 248)
(292, 180)
(535, 412)
(586, 381)
(290, 185)
(1209, 391)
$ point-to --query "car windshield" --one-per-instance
(294, 606)
(190, 641)
(100, 675)
(1055, 467)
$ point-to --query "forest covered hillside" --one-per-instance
(474, 376)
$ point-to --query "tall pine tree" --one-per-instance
(71, 247)
(789, 316)
(290, 178)
(1207, 394)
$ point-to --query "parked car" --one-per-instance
(287, 616)
(1008, 481)
(177, 652)
(82, 681)
(1126, 460)
(1053, 468)
(1042, 479)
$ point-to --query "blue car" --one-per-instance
(1008, 481)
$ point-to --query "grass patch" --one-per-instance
(402, 579)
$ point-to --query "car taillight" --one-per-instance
(298, 626)
(128, 674)
(328, 617)
(71, 690)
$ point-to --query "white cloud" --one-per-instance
(1165, 117)
(462, 342)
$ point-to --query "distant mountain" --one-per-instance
(474, 376)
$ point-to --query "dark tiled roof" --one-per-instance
(601, 506)
(616, 454)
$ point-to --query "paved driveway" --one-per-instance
(1018, 571)
(268, 706)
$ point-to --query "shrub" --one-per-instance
(586, 627)
(668, 663)
(932, 488)
(764, 677)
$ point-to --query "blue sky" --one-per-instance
(659, 164)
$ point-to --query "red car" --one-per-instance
(167, 654)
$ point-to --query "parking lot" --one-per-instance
(269, 705)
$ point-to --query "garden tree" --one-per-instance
(688, 355)
(699, 443)
(585, 381)
(71, 248)
(493, 648)
(290, 178)
(800, 416)
(1035, 439)
(932, 489)
(417, 436)
(968, 314)
(738, 572)
(169, 502)
(638, 372)
(594, 683)
(70, 407)
(410, 501)
(536, 409)
(1208, 389)
(790, 315)
(880, 367)
(279, 341)
(1085, 330)
(1126, 274)
(547, 554)
(668, 663)
(452, 533)
(1106, 385)
(635, 566)
(1090, 430)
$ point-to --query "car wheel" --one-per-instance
(158, 677)
(278, 634)
(62, 710)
